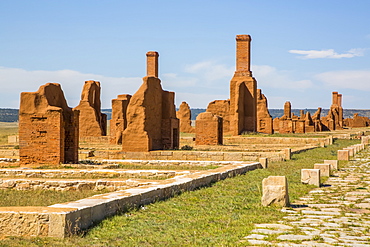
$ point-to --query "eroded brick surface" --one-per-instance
(48, 128)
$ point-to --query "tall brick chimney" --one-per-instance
(340, 100)
(152, 63)
(243, 56)
(335, 98)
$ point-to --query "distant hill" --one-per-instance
(11, 115)
(8, 115)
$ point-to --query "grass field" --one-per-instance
(7, 129)
(219, 215)
(11, 198)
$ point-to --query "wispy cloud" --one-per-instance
(268, 76)
(13, 81)
(210, 71)
(330, 53)
(350, 79)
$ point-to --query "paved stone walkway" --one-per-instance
(337, 214)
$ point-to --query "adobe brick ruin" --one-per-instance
(357, 121)
(264, 119)
(240, 112)
(290, 123)
(184, 115)
(221, 108)
(118, 122)
(208, 129)
(92, 121)
(48, 128)
(334, 119)
(151, 115)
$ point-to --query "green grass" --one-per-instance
(166, 167)
(7, 129)
(219, 215)
(12, 198)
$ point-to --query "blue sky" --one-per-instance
(301, 50)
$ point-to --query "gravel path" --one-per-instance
(336, 214)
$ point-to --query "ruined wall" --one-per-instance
(208, 129)
(264, 119)
(184, 115)
(118, 122)
(334, 119)
(243, 90)
(48, 128)
(357, 121)
(92, 121)
(151, 115)
(286, 122)
(221, 108)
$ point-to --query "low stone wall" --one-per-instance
(71, 185)
(189, 155)
(87, 173)
(9, 153)
(60, 220)
(279, 140)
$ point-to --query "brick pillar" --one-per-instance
(152, 63)
(243, 45)
(288, 109)
(340, 110)
(335, 98)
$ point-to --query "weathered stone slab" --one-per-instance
(275, 191)
(343, 155)
(288, 153)
(310, 176)
(264, 162)
(333, 164)
(351, 151)
(324, 169)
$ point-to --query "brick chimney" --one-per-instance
(152, 63)
(335, 98)
(243, 57)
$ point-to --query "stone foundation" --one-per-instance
(61, 220)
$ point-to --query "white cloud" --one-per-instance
(350, 79)
(330, 53)
(268, 76)
(13, 81)
(210, 71)
(173, 80)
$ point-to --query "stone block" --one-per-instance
(275, 191)
(264, 162)
(13, 139)
(343, 155)
(288, 153)
(324, 169)
(350, 151)
(365, 140)
(333, 164)
(310, 176)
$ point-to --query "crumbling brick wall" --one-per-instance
(48, 128)
(221, 108)
(118, 122)
(184, 115)
(208, 129)
(92, 121)
(264, 119)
